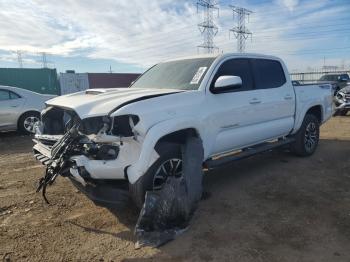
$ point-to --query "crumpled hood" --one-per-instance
(99, 102)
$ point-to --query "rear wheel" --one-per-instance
(27, 122)
(306, 140)
(168, 164)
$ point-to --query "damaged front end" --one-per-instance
(342, 99)
(93, 152)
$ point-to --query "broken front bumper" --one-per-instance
(102, 181)
(95, 169)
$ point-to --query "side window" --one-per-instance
(4, 95)
(236, 67)
(268, 73)
(14, 95)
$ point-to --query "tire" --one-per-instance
(26, 122)
(307, 137)
(149, 181)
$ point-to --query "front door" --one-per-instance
(236, 114)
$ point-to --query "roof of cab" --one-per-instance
(224, 55)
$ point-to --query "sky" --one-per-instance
(131, 35)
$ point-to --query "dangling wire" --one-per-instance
(58, 162)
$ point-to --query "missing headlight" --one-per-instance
(101, 152)
(107, 152)
(121, 125)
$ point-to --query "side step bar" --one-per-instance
(250, 151)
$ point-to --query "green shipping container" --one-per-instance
(40, 80)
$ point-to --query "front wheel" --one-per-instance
(307, 138)
(168, 164)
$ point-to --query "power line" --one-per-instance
(240, 31)
(208, 28)
(295, 36)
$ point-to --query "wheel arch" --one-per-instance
(315, 109)
(166, 131)
(178, 136)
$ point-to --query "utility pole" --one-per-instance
(240, 31)
(208, 28)
(19, 58)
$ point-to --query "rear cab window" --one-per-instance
(268, 73)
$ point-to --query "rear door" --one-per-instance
(277, 97)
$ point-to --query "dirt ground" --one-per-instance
(271, 207)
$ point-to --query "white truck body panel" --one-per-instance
(225, 122)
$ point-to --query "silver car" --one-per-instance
(20, 109)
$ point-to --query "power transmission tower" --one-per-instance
(208, 28)
(43, 59)
(19, 58)
(240, 31)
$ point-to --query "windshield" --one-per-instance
(181, 74)
(329, 78)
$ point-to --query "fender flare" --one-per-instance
(148, 155)
(300, 117)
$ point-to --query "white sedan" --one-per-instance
(20, 109)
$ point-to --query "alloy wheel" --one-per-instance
(310, 139)
(29, 123)
(170, 167)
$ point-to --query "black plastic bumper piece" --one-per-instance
(106, 194)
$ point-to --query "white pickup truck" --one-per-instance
(237, 104)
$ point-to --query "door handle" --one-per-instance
(254, 101)
(288, 97)
(13, 106)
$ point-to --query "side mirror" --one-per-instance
(227, 83)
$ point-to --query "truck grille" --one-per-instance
(43, 159)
